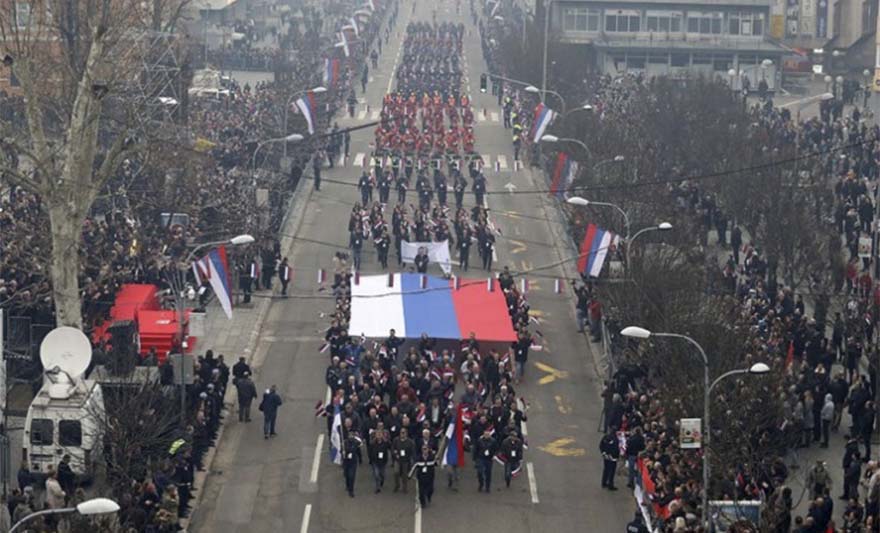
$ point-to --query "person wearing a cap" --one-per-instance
(247, 391)
(637, 525)
(269, 406)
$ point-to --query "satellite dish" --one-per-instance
(66, 349)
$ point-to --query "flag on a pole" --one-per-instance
(490, 285)
(344, 44)
(564, 172)
(307, 106)
(331, 72)
(215, 269)
(523, 286)
(336, 436)
(455, 441)
(354, 25)
(391, 279)
(322, 276)
(543, 117)
(594, 249)
(557, 286)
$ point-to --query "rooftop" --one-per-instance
(683, 3)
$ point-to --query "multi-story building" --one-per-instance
(672, 37)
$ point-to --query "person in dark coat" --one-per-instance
(247, 392)
(610, 450)
(269, 406)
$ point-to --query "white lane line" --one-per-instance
(519, 403)
(316, 461)
(417, 528)
(307, 515)
(533, 486)
(327, 396)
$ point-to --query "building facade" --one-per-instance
(674, 38)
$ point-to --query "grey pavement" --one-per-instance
(266, 486)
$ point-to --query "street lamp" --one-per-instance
(627, 240)
(534, 90)
(317, 90)
(95, 506)
(177, 282)
(756, 369)
(548, 6)
(554, 139)
(293, 137)
(867, 89)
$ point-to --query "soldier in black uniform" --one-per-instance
(484, 452)
(351, 458)
(440, 187)
(402, 186)
(424, 471)
(384, 187)
(382, 248)
(464, 248)
(459, 186)
(365, 185)
(610, 449)
(487, 244)
(479, 187)
(245, 280)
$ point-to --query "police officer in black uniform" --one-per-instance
(610, 450)
(424, 471)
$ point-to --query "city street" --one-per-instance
(285, 483)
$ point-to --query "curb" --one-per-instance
(296, 210)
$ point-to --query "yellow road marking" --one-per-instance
(552, 373)
(560, 448)
(519, 247)
(562, 406)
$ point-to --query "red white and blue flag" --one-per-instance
(307, 107)
(564, 172)
(336, 436)
(454, 455)
(214, 268)
(543, 117)
(594, 249)
(331, 72)
(344, 44)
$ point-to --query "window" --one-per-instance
(663, 21)
(635, 61)
(70, 433)
(708, 23)
(22, 15)
(746, 23)
(580, 19)
(680, 60)
(42, 430)
(623, 21)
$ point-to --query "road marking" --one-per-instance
(480, 117)
(527, 266)
(520, 247)
(418, 525)
(494, 115)
(342, 160)
(522, 407)
(562, 406)
(502, 162)
(374, 115)
(362, 114)
(307, 515)
(359, 159)
(552, 373)
(370, 79)
(533, 485)
(327, 396)
(517, 231)
(560, 448)
(316, 461)
(362, 100)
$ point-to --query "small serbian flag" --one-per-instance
(391, 279)
(557, 286)
(285, 273)
(319, 409)
(420, 416)
(457, 282)
(322, 276)
(490, 285)
(331, 72)
(357, 277)
(255, 270)
(523, 286)
(423, 282)
(307, 107)
(324, 347)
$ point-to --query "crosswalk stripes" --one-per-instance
(494, 116)
(341, 162)
(362, 114)
(502, 162)
(359, 159)
(481, 117)
(375, 114)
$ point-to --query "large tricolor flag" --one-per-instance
(594, 248)
(336, 436)
(455, 442)
(564, 172)
(331, 72)
(543, 117)
(214, 268)
(307, 106)
(354, 25)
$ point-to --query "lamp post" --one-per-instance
(534, 90)
(95, 506)
(616, 159)
(731, 75)
(177, 281)
(554, 139)
(293, 137)
(547, 4)
(798, 105)
(316, 90)
(867, 87)
(838, 87)
(627, 239)
(757, 369)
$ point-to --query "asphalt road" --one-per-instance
(261, 486)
